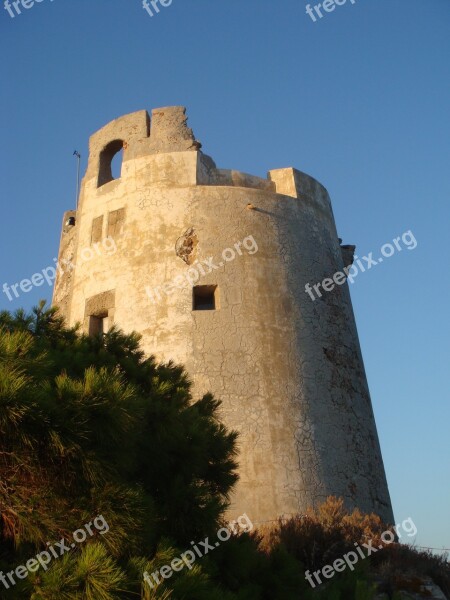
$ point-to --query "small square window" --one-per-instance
(205, 297)
(98, 325)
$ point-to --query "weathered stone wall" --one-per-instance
(288, 369)
(62, 294)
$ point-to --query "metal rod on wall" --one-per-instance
(78, 155)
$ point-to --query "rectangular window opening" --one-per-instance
(97, 229)
(205, 297)
(116, 220)
(98, 324)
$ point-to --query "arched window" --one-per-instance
(110, 162)
(116, 164)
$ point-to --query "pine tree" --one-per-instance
(90, 426)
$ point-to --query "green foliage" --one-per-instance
(88, 575)
(90, 426)
(349, 585)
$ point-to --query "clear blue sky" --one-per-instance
(359, 99)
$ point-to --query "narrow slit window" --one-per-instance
(205, 297)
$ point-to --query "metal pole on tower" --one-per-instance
(78, 155)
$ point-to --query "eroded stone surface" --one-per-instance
(186, 246)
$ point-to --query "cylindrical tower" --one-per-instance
(211, 267)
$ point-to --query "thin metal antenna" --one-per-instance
(78, 155)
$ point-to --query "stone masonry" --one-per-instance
(288, 369)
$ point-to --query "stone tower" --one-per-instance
(210, 266)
